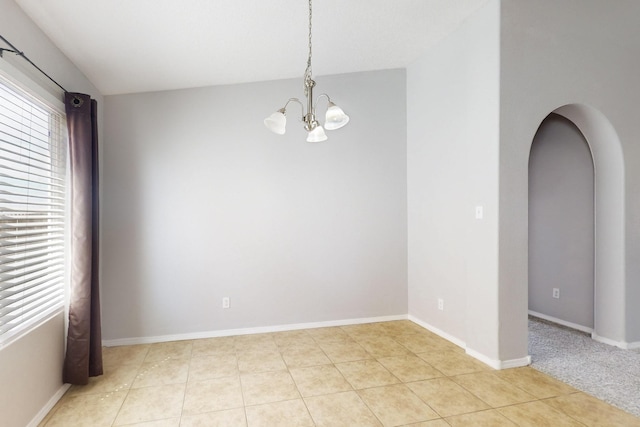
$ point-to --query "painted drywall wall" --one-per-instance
(551, 57)
(31, 373)
(561, 223)
(452, 167)
(202, 202)
(31, 367)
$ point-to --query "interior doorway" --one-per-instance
(604, 156)
(562, 225)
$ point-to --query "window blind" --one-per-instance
(32, 211)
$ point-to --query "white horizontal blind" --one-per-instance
(32, 211)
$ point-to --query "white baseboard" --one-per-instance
(499, 364)
(495, 364)
(247, 331)
(49, 406)
(515, 363)
(438, 332)
(620, 344)
(561, 322)
(607, 341)
(633, 345)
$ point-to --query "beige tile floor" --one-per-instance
(378, 374)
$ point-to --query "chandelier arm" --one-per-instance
(299, 103)
(318, 99)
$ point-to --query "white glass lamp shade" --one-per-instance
(276, 122)
(335, 117)
(317, 135)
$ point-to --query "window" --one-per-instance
(32, 211)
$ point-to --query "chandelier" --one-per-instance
(335, 118)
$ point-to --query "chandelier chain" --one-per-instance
(307, 72)
(310, 20)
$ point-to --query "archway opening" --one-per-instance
(561, 225)
(609, 272)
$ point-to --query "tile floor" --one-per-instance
(378, 374)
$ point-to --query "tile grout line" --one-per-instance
(244, 402)
(353, 336)
(130, 387)
(186, 386)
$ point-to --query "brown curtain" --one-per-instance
(83, 358)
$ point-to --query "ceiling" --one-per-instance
(128, 46)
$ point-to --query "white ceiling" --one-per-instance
(127, 46)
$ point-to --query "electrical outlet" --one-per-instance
(440, 304)
(556, 293)
(225, 302)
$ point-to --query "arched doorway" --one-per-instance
(561, 225)
(609, 273)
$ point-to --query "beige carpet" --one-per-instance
(608, 373)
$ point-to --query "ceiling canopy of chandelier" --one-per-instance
(335, 118)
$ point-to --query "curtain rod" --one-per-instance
(21, 54)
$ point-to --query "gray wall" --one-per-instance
(546, 61)
(551, 57)
(561, 223)
(452, 144)
(31, 373)
(201, 201)
(31, 367)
